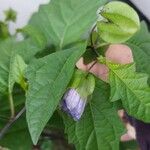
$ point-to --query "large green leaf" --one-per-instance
(48, 78)
(140, 45)
(100, 127)
(63, 22)
(132, 89)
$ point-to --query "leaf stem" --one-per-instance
(91, 35)
(11, 121)
(101, 45)
(11, 102)
(92, 65)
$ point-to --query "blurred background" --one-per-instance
(24, 9)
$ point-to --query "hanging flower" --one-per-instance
(75, 98)
(73, 104)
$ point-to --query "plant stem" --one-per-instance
(101, 45)
(11, 121)
(91, 35)
(11, 102)
(92, 65)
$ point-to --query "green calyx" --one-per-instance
(83, 82)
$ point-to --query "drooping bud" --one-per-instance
(75, 98)
(73, 104)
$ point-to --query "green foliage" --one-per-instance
(43, 64)
(4, 33)
(18, 137)
(100, 127)
(140, 44)
(47, 145)
(10, 15)
(119, 24)
(131, 88)
(8, 50)
(130, 145)
(36, 36)
(17, 71)
(48, 78)
(63, 22)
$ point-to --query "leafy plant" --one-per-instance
(39, 74)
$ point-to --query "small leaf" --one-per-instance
(119, 24)
(4, 33)
(100, 127)
(48, 78)
(132, 89)
(8, 49)
(17, 72)
(10, 15)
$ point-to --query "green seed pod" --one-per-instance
(120, 22)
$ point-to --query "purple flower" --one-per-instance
(73, 104)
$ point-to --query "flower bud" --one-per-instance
(74, 100)
(73, 104)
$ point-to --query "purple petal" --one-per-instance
(78, 110)
(72, 99)
(73, 104)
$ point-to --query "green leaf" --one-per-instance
(19, 140)
(17, 72)
(19, 100)
(17, 137)
(48, 78)
(8, 49)
(37, 36)
(4, 33)
(10, 15)
(65, 21)
(132, 89)
(119, 24)
(140, 44)
(100, 127)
